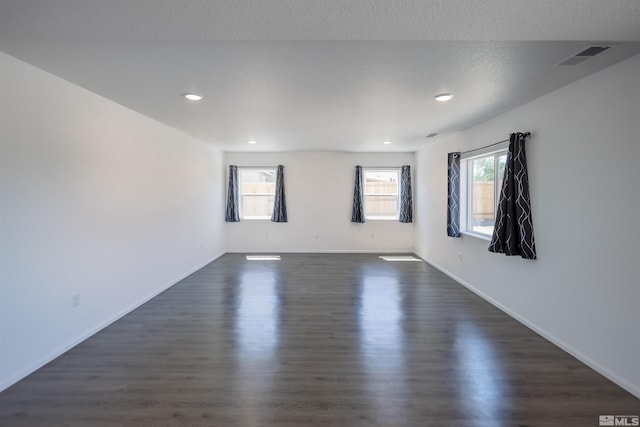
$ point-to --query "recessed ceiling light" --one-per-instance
(443, 97)
(387, 142)
(193, 96)
(252, 142)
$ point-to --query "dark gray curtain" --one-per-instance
(406, 200)
(233, 212)
(357, 213)
(453, 195)
(280, 203)
(513, 232)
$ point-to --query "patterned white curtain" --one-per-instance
(513, 232)
(406, 199)
(357, 212)
(233, 212)
(280, 203)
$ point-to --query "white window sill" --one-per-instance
(477, 235)
(256, 218)
(381, 218)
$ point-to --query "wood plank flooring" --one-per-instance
(331, 340)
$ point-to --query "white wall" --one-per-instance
(97, 201)
(584, 290)
(319, 191)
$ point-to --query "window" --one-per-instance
(257, 193)
(484, 176)
(381, 190)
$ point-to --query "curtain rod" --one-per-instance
(526, 135)
(381, 167)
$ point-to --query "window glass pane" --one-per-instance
(381, 206)
(258, 188)
(482, 213)
(502, 162)
(381, 182)
(257, 206)
(381, 194)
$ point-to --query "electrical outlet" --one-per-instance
(75, 301)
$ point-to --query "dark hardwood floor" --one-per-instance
(331, 340)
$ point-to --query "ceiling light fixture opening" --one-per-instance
(443, 97)
(386, 142)
(193, 96)
(252, 142)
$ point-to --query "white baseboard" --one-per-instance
(631, 388)
(74, 342)
(322, 251)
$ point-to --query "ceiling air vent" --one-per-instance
(593, 50)
(589, 52)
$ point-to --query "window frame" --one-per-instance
(395, 170)
(241, 195)
(466, 189)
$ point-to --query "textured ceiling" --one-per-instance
(321, 74)
(322, 19)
